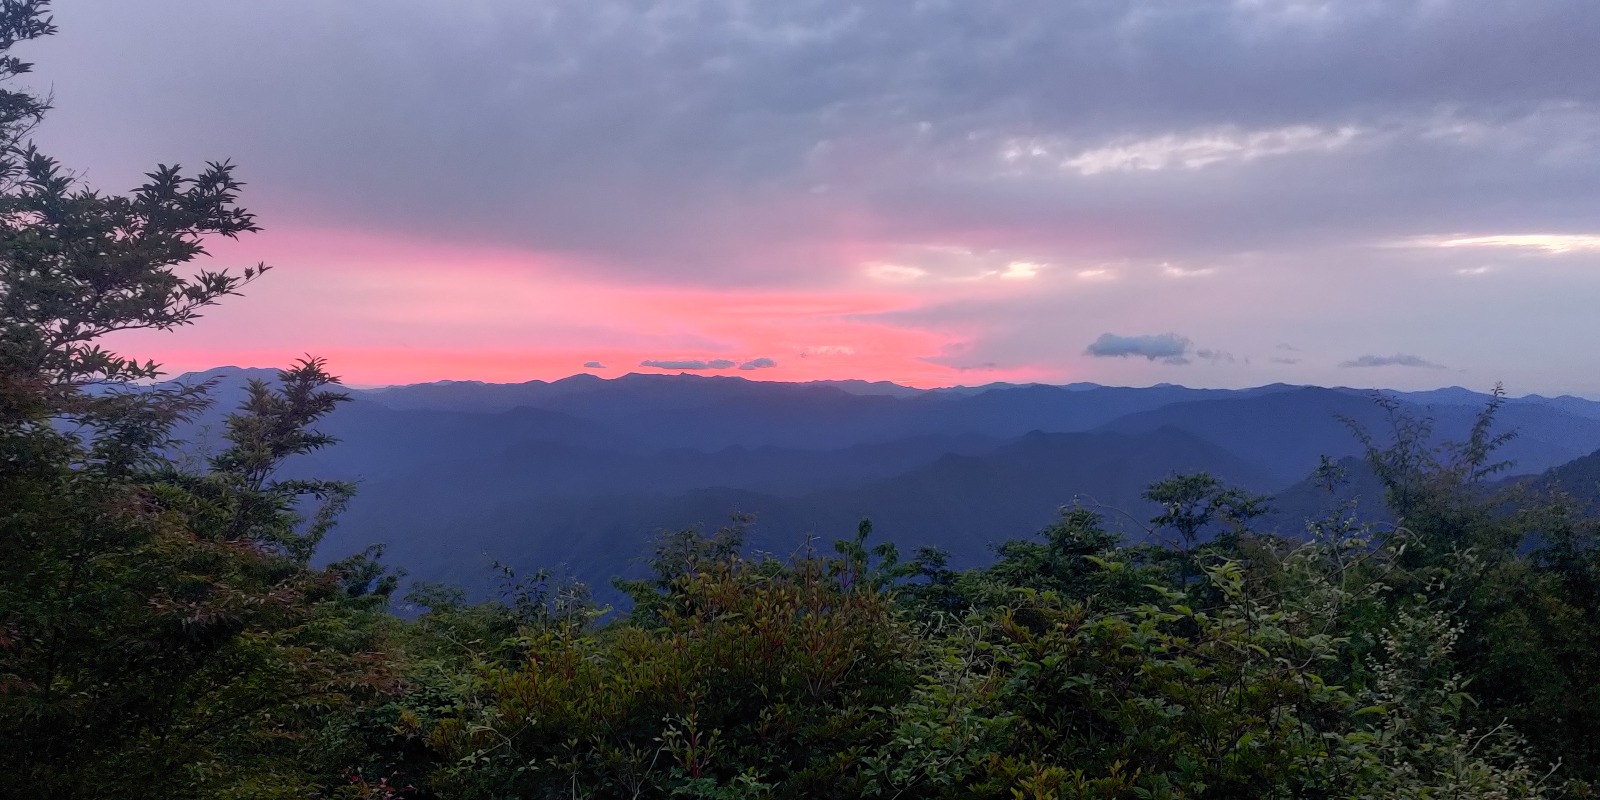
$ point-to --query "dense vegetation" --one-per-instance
(163, 632)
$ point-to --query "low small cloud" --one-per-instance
(688, 364)
(1169, 348)
(1396, 360)
(759, 363)
(1175, 271)
(1214, 356)
(593, 365)
(1285, 360)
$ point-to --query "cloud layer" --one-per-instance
(941, 188)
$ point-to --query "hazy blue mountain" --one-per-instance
(872, 387)
(1289, 431)
(452, 528)
(1579, 479)
(965, 504)
(1456, 395)
(585, 470)
(711, 412)
(1359, 493)
(1572, 405)
(1446, 396)
(1286, 431)
(479, 396)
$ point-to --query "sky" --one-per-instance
(1397, 193)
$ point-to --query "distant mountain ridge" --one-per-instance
(455, 394)
(584, 470)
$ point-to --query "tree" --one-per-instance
(76, 264)
(161, 634)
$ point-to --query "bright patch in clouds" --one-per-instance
(1223, 145)
(1175, 271)
(1021, 270)
(1555, 243)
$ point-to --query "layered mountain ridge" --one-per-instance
(582, 472)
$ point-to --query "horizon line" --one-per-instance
(829, 381)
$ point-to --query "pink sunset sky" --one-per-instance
(1213, 193)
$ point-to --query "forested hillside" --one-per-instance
(1086, 595)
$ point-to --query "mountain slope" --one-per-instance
(1289, 431)
(963, 503)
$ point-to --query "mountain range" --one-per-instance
(580, 473)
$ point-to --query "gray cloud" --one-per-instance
(1397, 360)
(700, 139)
(1169, 348)
(688, 364)
(593, 365)
(758, 363)
(729, 144)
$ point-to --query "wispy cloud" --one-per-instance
(1197, 150)
(758, 363)
(1554, 243)
(687, 364)
(1396, 360)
